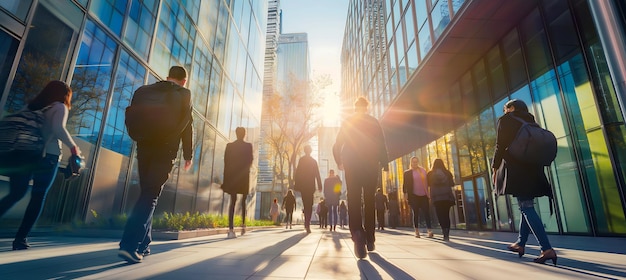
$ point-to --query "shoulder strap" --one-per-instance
(518, 119)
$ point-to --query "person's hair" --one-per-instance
(438, 164)
(275, 200)
(418, 160)
(308, 149)
(240, 132)
(519, 105)
(361, 102)
(290, 192)
(54, 91)
(331, 171)
(379, 190)
(178, 73)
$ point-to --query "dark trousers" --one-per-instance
(332, 214)
(442, 208)
(361, 182)
(231, 210)
(289, 217)
(154, 166)
(307, 204)
(420, 203)
(380, 216)
(18, 184)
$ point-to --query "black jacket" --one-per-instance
(237, 162)
(307, 174)
(514, 177)
(361, 143)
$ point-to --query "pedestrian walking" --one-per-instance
(394, 210)
(237, 163)
(523, 181)
(361, 151)
(323, 213)
(343, 214)
(307, 175)
(155, 158)
(289, 204)
(382, 204)
(54, 100)
(415, 187)
(274, 211)
(332, 190)
(440, 181)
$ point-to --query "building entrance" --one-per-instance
(477, 202)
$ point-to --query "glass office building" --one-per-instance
(438, 73)
(105, 49)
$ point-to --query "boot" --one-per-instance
(446, 234)
(549, 254)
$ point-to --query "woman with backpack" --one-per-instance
(522, 180)
(55, 102)
(441, 182)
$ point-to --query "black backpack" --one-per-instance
(21, 140)
(533, 144)
(156, 113)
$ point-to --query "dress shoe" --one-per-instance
(549, 254)
(516, 248)
(359, 245)
(20, 244)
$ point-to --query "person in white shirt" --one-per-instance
(415, 187)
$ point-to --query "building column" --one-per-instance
(606, 18)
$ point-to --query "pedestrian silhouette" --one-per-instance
(307, 175)
(382, 204)
(343, 214)
(289, 204)
(155, 159)
(332, 190)
(274, 210)
(237, 163)
(361, 151)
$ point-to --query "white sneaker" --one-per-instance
(231, 234)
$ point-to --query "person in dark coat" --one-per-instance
(361, 151)
(332, 190)
(289, 204)
(237, 163)
(382, 204)
(523, 181)
(155, 160)
(440, 181)
(307, 174)
(322, 212)
(343, 214)
(394, 210)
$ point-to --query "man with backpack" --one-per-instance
(159, 118)
(521, 177)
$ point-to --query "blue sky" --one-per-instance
(324, 21)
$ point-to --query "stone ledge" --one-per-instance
(156, 234)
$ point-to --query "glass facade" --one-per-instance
(106, 49)
(551, 57)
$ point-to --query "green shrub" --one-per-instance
(187, 221)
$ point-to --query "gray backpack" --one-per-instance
(533, 145)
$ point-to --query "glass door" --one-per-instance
(478, 203)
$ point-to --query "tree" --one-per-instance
(292, 122)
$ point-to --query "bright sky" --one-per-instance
(324, 21)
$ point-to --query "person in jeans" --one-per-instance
(361, 151)
(332, 190)
(521, 180)
(55, 100)
(307, 175)
(155, 159)
(237, 162)
(416, 189)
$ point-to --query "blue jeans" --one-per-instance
(332, 214)
(42, 181)
(154, 166)
(530, 221)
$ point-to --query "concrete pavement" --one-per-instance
(277, 253)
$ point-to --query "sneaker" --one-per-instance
(417, 233)
(131, 257)
(231, 234)
(146, 252)
(430, 234)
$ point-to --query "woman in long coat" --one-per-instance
(523, 181)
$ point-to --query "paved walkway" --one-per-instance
(276, 253)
